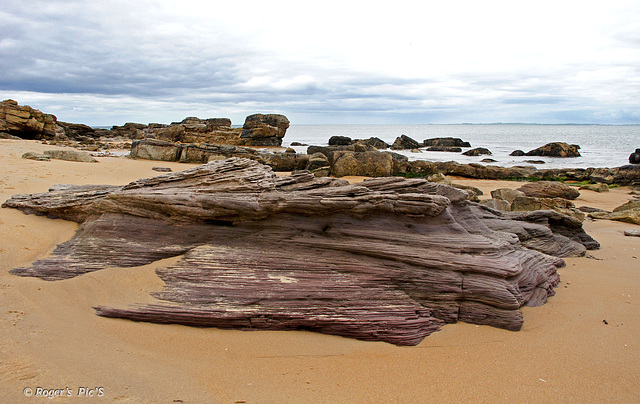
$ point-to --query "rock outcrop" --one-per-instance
(264, 130)
(390, 259)
(556, 149)
(25, 122)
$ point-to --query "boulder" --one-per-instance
(634, 158)
(446, 142)
(340, 141)
(497, 204)
(25, 122)
(596, 187)
(70, 155)
(368, 164)
(549, 189)
(627, 216)
(264, 130)
(556, 149)
(404, 142)
(632, 233)
(628, 205)
(389, 259)
(506, 194)
(478, 151)
(161, 150)
(527, 203)
(439, 178)
(36, 156)
(317, 160)
(376, 142)
(517, 153)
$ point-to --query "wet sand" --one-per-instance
(51, 338)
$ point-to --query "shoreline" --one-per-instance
(51, 337)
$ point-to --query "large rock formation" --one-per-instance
(264, 130)
(26, 122)
(390, 259)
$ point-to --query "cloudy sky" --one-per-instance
(109, 62)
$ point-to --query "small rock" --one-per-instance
(340, 141)
(549, 189)
(517, 153)
(450, 149)
(632, 233)
(439, 178)
(596, 187)
(534, 161)
(35, 156)
(162, 169)
(477, 151)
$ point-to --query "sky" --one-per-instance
(330, 62)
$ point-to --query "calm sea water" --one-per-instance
(600, 145)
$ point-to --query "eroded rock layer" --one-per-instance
(389, 259)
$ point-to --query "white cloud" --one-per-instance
(442, 61)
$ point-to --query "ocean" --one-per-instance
(600, 145)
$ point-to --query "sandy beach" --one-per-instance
(582, 346)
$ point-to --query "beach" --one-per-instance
(582, 346)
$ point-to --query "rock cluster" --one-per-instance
(258, 130)
(390, 259)
(542, 195)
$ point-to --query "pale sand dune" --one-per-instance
(51, 338)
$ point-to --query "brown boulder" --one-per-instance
(264, 130)
(549, 189)
(26, 122)
(556, 149)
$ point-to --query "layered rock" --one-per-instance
(390, 259)
(264, 130)
(549, 189)
(25, 122)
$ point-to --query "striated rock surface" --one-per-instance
(389, 259)
(25, 122)
(549, 189)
